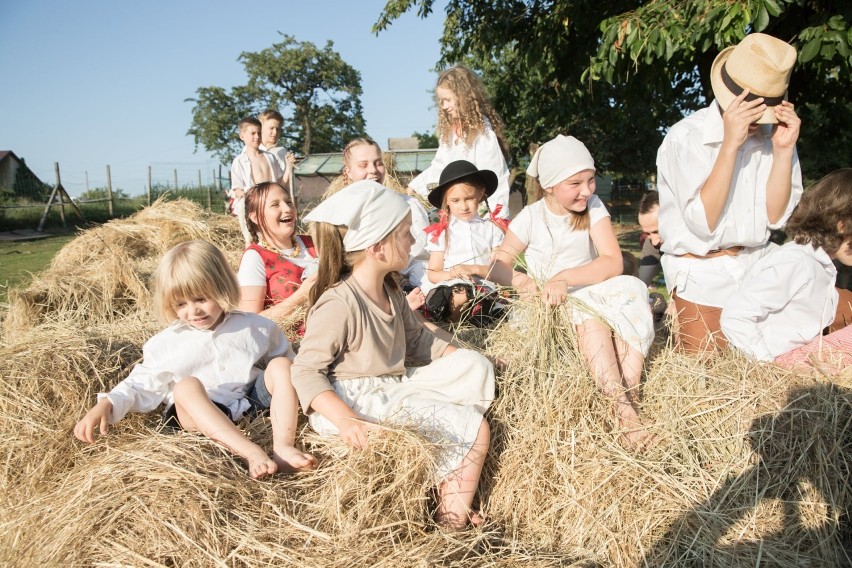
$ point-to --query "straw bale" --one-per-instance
(752, 467)
(103, 273)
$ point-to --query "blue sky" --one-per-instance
(88, 83)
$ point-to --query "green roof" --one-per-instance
(331, 164)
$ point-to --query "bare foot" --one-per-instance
(456, 522)
(634, 434)
(416, 299)
(260, 465)
(290, 459)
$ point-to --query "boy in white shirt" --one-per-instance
(271, 122)
(250, 167)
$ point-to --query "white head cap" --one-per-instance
(559, 159)
(369, 210)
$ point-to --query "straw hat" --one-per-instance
(458, 171)
(759, 63)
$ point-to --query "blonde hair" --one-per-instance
(270, 115)
(189, 270)
(472, 106)
(334, 261)
(246, 122)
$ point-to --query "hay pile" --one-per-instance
(753, 465)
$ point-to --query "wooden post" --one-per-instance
(109, 192)
(149, 186)
(199, 179)
(293, 186)
(50, 199)
(60, 194)
(176, 185)
(210, 192)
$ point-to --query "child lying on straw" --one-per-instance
(203, 365)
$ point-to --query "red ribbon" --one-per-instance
(502, 224)
(435, 230)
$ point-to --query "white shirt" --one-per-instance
(252, 271)
(484, 153)
(223, 359)
(280, 153)
(784, 301)
(241, 177)
(552, 245)
(471, 242)
(684, 162)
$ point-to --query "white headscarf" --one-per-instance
(559, 159)
(369, 209)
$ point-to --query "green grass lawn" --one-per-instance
(18, 259)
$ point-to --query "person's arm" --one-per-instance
(432, 173)
(736, 118)
(607, 265)
(502, 271)
(352, 428)
(779, 186)
(97, 416)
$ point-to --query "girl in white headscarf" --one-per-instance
(350, 371)
(570, 248)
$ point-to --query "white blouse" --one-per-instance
(484, 153)
(785, 300)
(552, 244)
(223, 359)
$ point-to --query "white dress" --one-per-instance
(553, 246)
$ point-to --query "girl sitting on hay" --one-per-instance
(571, 250)
(350, 371)
(278, 268)
(204, 365)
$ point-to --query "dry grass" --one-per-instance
(752, 469)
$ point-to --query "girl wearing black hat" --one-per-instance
(462, 246)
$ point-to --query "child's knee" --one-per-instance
(277, 374)
(187, 386)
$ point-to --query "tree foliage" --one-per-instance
(426, 139)
(318, 93)
(616, 74)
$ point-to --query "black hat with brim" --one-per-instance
(462, 170)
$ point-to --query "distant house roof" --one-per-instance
(331, 164)
(4, 153)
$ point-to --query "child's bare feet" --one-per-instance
(290, 459)
(634, 434)
(260, 465)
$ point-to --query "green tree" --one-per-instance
(616, 74)
(317, 92)
(426, 139)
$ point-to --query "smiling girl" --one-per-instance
(570, 250)
(272, 273)
(468, 129)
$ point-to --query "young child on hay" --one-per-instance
(725, 180)
(788, 297)
(350, 371)
(469, 129)
(461, 247)
(571, 251)
(278, 268)
(250, 167)
(204, 365)
(271, 122)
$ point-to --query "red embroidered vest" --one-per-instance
(282, 276)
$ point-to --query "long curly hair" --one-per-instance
(472, 106)
(823, 217)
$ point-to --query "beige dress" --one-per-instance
(357, 350)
